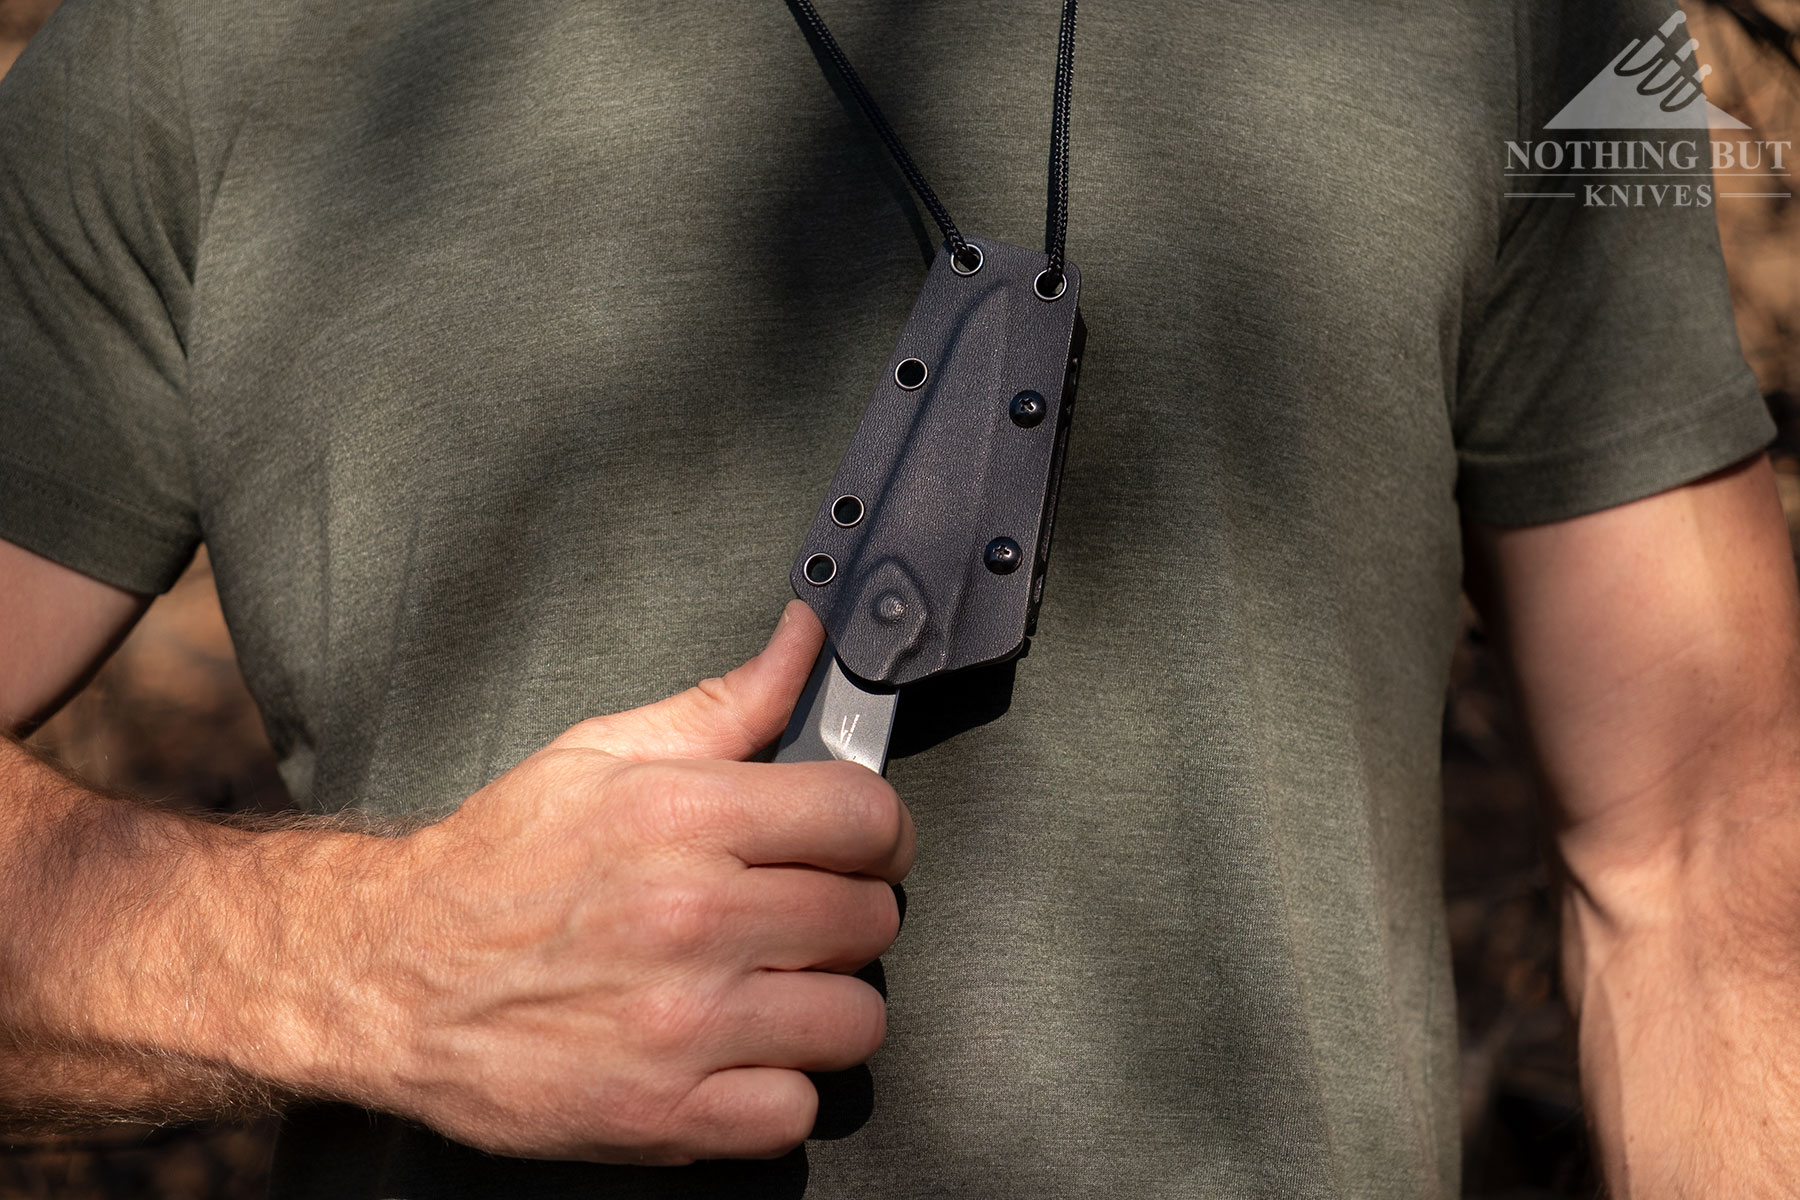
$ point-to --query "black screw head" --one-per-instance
(890, 607)
(1002, 556)
(1027, 409)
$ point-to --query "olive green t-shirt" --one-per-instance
(502, 352)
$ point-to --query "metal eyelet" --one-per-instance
(846, 512)
(1037, 285)
(911, 374)
(956, 259)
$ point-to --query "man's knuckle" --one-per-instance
(667, 1022)
(792, 1123)
(588, 734)
(885, 924)
(680, 919)
(781, 1116)
(666, 801)
(724, 706)
(643, 1124)
(590, 729)
(568, 766)
(715, 690)
(873, 806)
(867, 1022)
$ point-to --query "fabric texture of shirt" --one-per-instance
(501, 355)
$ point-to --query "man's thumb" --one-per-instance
(729, 717)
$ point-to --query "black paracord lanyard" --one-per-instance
(1056, 224)
(928, 555)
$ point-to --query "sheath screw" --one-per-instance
(1002, 556)
(889, 607)
(1027, 409)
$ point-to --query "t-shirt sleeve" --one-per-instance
(1602, 365)
(97, 235)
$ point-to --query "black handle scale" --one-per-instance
(947, 471)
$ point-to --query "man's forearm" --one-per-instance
(157, 966)
(1686, 977)
(49, 1090)
(1655, 652)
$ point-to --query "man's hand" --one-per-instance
(1656, 650)
(627, 949)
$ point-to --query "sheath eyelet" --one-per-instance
(846, 512)
(910, 374)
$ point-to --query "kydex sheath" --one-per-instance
(928, 553)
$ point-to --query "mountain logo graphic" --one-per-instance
(1654, 83)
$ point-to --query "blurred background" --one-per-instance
(169, 718)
